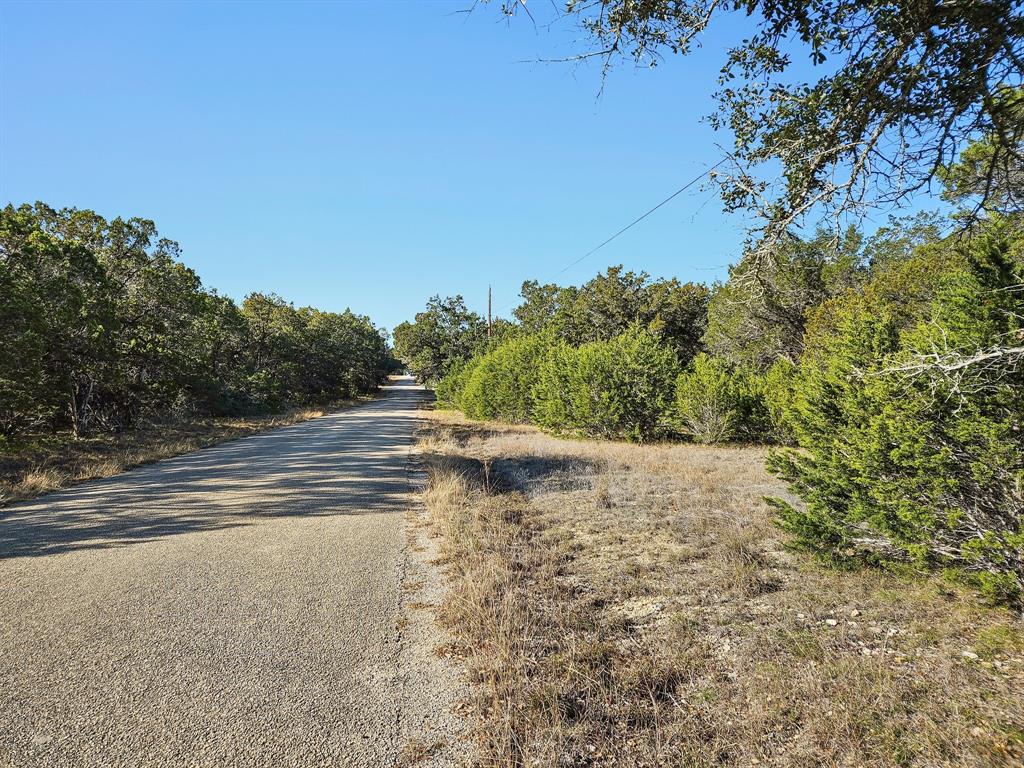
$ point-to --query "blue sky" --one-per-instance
(363, 155)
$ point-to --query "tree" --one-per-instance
(275, 346)
(759, 315)
(156, 300)
(444, 333)
(986, 177)
(101, 325)
(539, 305)
(897, 90)
(898, 240)
(56, 324)
(612, 302)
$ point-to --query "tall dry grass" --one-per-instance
(629, 605)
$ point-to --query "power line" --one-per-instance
(633, 223)
(637, 220)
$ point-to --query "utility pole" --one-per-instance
(488, 313)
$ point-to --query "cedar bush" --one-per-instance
(620, 388)
(716, 402)
(711, 400)
(901, 460)
(558, 381)
(448, 389)
(775, 388)
(500, 383)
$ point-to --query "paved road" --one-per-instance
(235, 606)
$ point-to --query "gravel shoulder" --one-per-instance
(241, 605)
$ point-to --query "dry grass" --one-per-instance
(634, 606)
(55, 462)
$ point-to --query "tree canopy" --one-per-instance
(897, 90)
(443, 334)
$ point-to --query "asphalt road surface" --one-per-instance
(240, 605)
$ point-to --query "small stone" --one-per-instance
(831, 622)
(854, 613)
(969, 654)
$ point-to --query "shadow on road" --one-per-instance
(351, 462)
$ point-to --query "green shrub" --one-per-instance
(620, 388)
(501, 383)
(901, 459)
(775, 389)
(709, 400)
(449, 387)
(554, 392)
(716, 402)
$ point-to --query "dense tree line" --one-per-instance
(101, 325)
(446, 335)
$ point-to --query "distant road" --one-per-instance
(235, 606)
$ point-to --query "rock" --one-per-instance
(969, 654)
(831, 622)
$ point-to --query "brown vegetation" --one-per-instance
(47, 463)
(634, 605)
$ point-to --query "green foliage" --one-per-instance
(448, 389)
(989, 173)
(716, 402)
(759, 315)
(901, 237)
(558, 381)
(619, 388)
(100, 324)
(775, 389)
(57, 320)
(500, 384)
(613, 302)
(439, 337)
(911, 446)
(611, 389)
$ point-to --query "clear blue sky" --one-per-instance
(363, 155)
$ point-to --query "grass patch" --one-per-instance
(624, 605)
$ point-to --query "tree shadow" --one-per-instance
(518, 474)
(350, 463)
